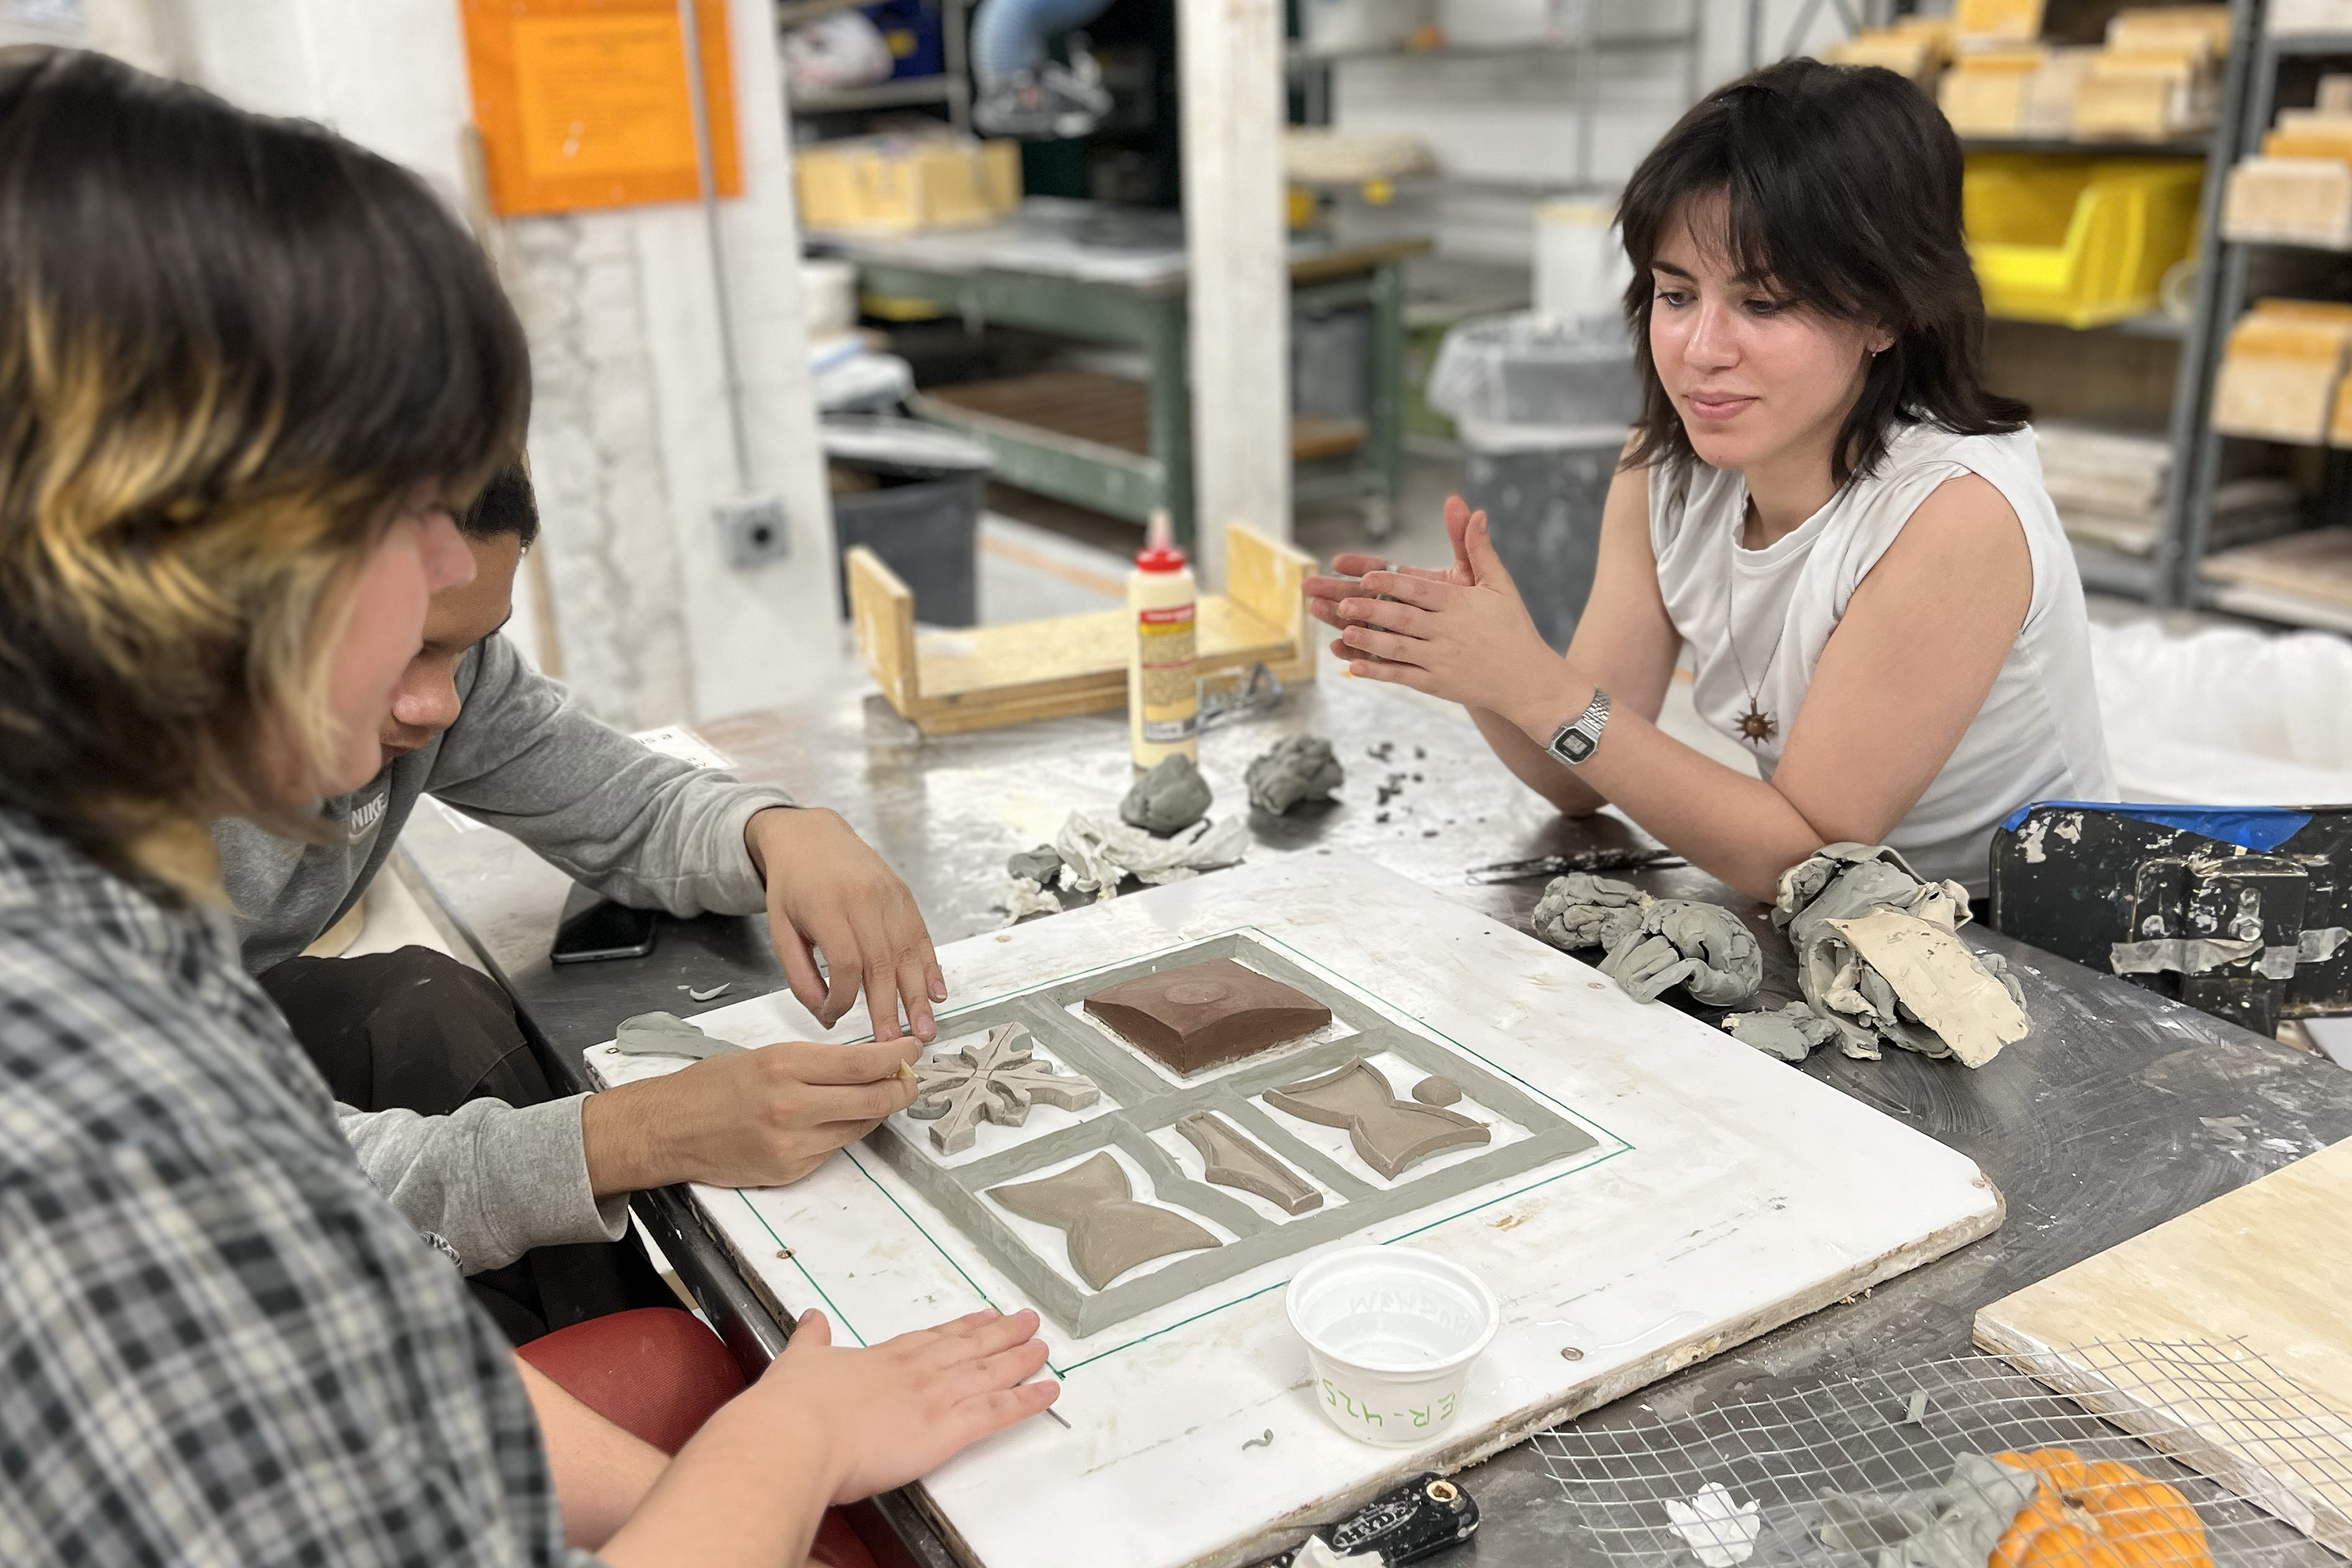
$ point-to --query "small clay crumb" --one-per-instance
(1381, 752)
(712, 993)
(1429, 833)
(1416, 778)
(1420, 753)
(1265, 1442)
(1381, 817)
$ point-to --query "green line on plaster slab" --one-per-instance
(794, 1254)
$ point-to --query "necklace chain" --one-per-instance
(1756, 726)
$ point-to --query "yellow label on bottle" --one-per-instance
(1171, 691)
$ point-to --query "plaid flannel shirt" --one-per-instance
(218, 1345)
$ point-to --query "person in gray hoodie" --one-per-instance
(451, 1115)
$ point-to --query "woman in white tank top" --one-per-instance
(1820, 498)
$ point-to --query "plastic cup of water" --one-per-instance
(1391, 1333)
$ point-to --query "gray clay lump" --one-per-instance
(997, 1080)
(1040, 865)
(1109, 1232)
(1301, 768)
(1168, 799)
(1204, 1014)
(1388, 1134)
(667, 1034)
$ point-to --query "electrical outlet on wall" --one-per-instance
(753, 533)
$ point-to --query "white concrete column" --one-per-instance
(1229, 70)
(629, 436)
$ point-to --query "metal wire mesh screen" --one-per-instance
(1873, 1472)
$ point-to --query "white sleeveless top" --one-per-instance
(2038, 736)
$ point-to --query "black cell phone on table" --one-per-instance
(594, 928)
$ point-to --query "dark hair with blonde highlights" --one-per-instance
(1842, 187)
(231, 347)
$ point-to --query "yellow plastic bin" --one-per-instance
(2082, 241)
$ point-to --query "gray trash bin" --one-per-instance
(1541, 408)
(915, 502)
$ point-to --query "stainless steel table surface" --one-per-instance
(2096, 1126)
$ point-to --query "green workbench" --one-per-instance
(1038, 272)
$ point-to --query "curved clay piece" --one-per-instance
(1109, 1232)
(1232, 1160)
(1436, 1090)
(667, 1034)
(1204, 1014)
(1388, 1134)
(996, 1080)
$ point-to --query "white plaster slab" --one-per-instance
(1728, 1193)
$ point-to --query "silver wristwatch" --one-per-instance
(1577, 740)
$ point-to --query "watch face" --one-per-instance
(1573, 747)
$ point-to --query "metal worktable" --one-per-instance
(1053, 267)
(2099, 1124)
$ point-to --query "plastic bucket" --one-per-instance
(1391, 1334)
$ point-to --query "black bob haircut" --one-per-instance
(1842, 194)
(506, 505)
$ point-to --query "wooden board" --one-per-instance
(2315, 564)
(2262, 1278)
(950, 682)
(1722, 1194)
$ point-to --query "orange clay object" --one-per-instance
(2099, 1514)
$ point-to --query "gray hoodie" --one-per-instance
(493, 1180)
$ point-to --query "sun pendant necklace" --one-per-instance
(1756, 726)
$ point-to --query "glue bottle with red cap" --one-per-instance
(1163, 692)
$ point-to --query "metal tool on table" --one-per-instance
(1417, 1520)
(1236, 693)
(1581, 860)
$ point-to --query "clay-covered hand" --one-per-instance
(1582, 909)
(888, 1414)
(828, 892)
(1474, 643)
(743, 1119)
(1324, 594)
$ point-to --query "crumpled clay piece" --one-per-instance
(1956, 1526)
(1845, 883)
(667, 1034)
(1168, 799)
(1582, 909)
(1789, 1033)
(1653, 944)
(1040, 865)
(1704, 948)
(1100, 853)
(1301, 768)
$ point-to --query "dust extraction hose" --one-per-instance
(1008, 37)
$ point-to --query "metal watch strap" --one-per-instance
(1575, 740)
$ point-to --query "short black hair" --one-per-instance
(1842, 189)
(231, 348)
(506, 505)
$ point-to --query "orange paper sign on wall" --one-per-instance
(586, 103)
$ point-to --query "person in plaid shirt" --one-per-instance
(245, 370)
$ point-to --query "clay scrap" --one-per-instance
(1436, 1090)
(1102, 853)
(1040, 865)
(1168, 799)
(667, 1034)
(1301, 768)
(1204, 1015)
(1109, 1232)
(1232, 1160)
(1653, 944)
(1832, 906)
(1388, 1134)
(996, 1080)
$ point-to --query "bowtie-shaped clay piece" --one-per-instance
(667, 1034)
(1109, 1232)
(1204, 1015)
(1388, 1134)
(997, 1080)
(1230, 1159)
